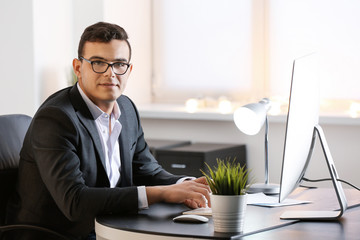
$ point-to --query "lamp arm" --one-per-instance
(266, 151)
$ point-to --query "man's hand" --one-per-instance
(201, 180)
(193, 193)
(193, 204)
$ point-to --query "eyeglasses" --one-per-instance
(119, 68)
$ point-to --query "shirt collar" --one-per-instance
(96, 112)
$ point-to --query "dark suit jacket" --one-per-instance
(62, 179)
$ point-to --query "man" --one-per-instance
(85, 154)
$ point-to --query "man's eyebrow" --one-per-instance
(106, 60)
(97, 57)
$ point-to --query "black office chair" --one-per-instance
(12, 132)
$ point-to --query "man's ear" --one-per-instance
(130, 68)
(77, 67)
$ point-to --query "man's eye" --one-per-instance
(119, 64)
(99, 63)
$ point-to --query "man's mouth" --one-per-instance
(109, 84)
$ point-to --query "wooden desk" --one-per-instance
(260, 223)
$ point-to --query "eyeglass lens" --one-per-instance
(101, 67)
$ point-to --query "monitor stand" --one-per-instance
(322, 215)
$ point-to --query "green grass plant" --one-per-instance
(227, 178)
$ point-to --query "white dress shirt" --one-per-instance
(110, 143)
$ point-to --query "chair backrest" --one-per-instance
(12, 132)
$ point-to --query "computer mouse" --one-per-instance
(191, 218)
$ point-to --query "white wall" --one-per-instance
(17, 82)
(83, 15)
(52, 46)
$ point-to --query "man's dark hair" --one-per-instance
(102, 32)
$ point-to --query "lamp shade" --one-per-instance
(250, 118)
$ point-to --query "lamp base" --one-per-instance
(266, 188)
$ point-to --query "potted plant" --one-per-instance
(228, 182)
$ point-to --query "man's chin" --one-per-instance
(112, 96)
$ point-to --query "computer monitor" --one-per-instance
(302, 127)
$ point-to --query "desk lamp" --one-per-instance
(249, 119)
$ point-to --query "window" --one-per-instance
(206, 48)
(328, 27)
(244, 49)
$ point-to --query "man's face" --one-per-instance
(102, 88)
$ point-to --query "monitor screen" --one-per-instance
(303, 115)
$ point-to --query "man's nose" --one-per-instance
(110, 71)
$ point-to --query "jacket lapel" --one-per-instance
(124, 144)
(87, 120)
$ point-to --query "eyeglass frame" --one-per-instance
(109, 65)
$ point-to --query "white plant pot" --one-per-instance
(228, 212)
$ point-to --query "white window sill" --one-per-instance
(167, 111)
(178, 112)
